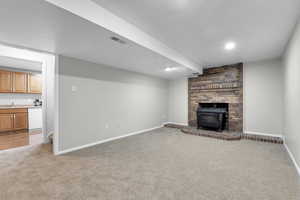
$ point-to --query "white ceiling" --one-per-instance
(39, 25)
(199, 28)
(20, 64)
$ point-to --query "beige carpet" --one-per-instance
(162, 164)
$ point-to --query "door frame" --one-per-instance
(49, 77)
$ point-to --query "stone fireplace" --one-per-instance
(220, 85)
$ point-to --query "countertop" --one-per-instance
(18, 106)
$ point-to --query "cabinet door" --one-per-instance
(20, 121)
(20, 82)
(35, 83)
(5, 81)
(6, 122)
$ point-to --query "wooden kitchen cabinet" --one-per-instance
(13, 119)
(34, 83)
(6, 81)
(20, 80)
(6, 122)
(20, 121)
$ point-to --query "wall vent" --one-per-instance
(116, 39)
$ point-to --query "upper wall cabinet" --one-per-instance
(34, 83)
(20, 82)
(6, 81)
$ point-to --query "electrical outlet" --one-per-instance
(106, 126)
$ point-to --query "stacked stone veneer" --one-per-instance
(219, 85)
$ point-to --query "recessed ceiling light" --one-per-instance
(230, 45)
(168, 69)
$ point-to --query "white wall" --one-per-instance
(292, 95)
(178, 101)
(263, 97)
(107, 103)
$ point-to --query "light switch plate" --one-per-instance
(74, 88)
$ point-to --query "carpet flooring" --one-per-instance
(159, 165)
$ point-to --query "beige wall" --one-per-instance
(107, 102)
(178, 101)
(292, 95)
(263, 97)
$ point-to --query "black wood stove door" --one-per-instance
(209, 120)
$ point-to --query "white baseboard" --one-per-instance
(180, 124)
(106, 140)
(292, 158)
(263, 134)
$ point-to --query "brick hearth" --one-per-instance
(225, 135)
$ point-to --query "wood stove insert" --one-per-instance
(212, 116)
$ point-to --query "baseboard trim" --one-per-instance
(292, 158)
(106, 140)
(175, 123)
(262, 134)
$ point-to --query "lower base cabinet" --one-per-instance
(21, 121)
(6, 122)
(13, 128)
(13, 119)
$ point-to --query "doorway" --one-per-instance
(26, 97)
